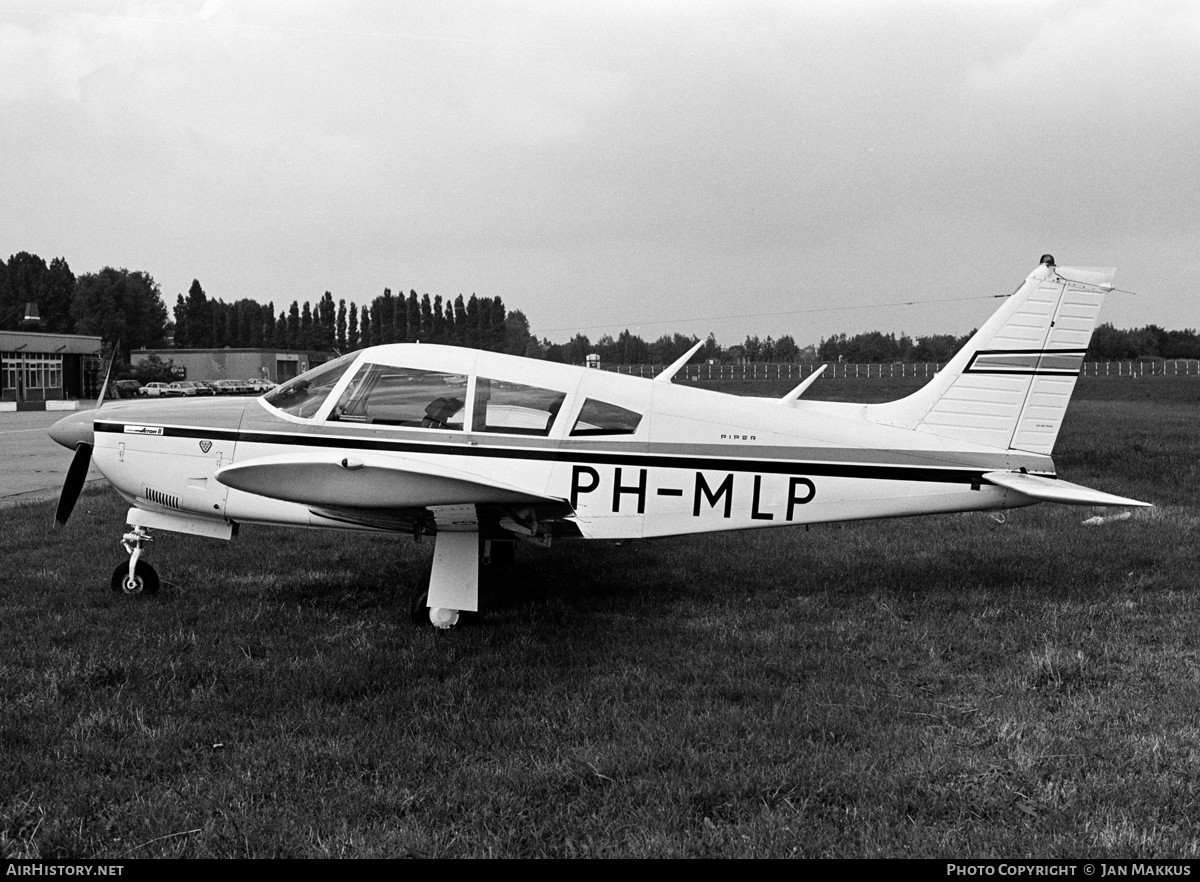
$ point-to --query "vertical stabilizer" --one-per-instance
(1009, 386)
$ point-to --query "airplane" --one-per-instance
(483, 450)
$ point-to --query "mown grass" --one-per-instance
(949, 686)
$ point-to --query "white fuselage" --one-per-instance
(697, 461)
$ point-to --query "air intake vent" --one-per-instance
(160, 498)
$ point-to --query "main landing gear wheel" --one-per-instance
(421, 614)
(443, 619)
(143, 581)
(419, 607)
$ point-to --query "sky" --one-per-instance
(733, 167)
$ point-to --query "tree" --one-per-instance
(426, 319)
(57, 293)
(326, 322)
(27, 279)
(181, 322)
(377, 327)
(400, 319)
(496, 326)
(267, 315)
(293, 326)
(438, 328)
(199, 317)
(340, 332)
(412, 313)
(153, 370)
(786, 349)
(471, 325)
(250, 323)
(516, 333)
(460, 322)
(232, 325)
(307, 332)
(116, 304)
(383, 313)
(938, 348)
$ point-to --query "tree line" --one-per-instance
(628, 348)
(120, 304)
(477, 322)
(875, 347)
(1108, 344)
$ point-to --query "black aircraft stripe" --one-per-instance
(922, 474)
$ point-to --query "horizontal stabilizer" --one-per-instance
(1052, 490)
(322, 479)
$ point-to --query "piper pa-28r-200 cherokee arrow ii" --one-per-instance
(472, 447)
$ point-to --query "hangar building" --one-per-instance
(36, 367)
(207, 365)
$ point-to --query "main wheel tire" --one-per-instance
(419, 607)
(145, 579)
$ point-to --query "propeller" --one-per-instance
(76, 475)
(108, 374)
(72, 428)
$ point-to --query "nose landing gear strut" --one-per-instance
(135, 576)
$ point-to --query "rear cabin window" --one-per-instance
(396, 396)
(515, 409)
(602, 418)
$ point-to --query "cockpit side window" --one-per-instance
(303, 396)
(399, 396)
(515, 409)
(602, 418)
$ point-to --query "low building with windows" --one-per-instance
(208, 365)
(36, 367)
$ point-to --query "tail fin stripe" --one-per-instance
(1044, 362)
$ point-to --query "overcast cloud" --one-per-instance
(650, 165)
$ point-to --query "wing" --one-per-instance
(384, 483)
(1053, 490)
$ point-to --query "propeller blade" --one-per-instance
(76, 475)
(108, 374)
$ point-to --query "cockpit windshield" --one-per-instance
(304, 395)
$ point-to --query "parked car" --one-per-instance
(258, 387)
(232, 387)
(197, 387)
(159, 390)
(127, 388)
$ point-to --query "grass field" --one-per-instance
(948, 686)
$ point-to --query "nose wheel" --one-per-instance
(135, 576)
(142, 580)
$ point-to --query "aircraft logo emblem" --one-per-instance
(205, 446)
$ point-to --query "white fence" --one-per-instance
(923, 370)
